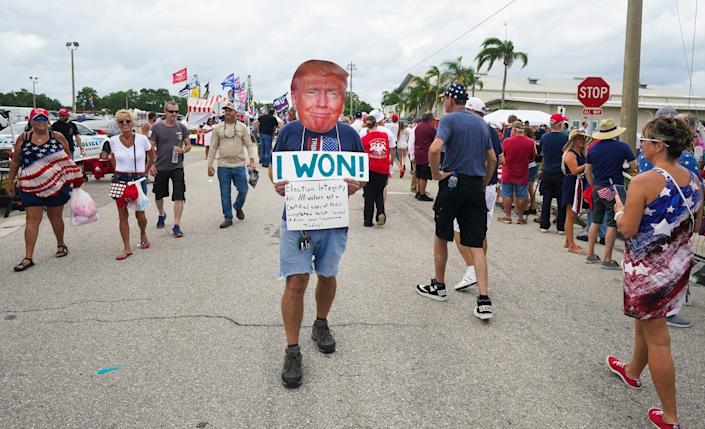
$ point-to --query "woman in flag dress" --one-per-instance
(663, 208)
(46, 173)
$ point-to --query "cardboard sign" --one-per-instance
(318, 165)
(320, 204)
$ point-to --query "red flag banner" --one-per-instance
(179, 76)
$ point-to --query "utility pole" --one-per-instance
(630, 79)
(34, 80)
(72, 46)
(351, 67)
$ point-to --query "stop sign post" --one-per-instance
(593, 92)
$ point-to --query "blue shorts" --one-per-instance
(532, 173)
(510, 188)
(323, 255)
(56, 200)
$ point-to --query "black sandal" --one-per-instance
(62, 251)
(23, 266)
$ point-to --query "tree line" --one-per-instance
(423, 91)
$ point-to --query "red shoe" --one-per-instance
(401, 173)
(656, 419)
(617, 366)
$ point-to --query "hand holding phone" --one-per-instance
(621, 194)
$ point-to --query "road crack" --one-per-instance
(71, 304)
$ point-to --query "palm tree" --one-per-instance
(422, 93)
(392, 98)
(493, 50)
(455, 72)
(439, 79)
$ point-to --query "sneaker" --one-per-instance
(160, 221)
(544, 230)
(381, 219)
(617, 367)
(367, 224)
(291, 373)
(592, 259)
(417, 196)
(483, 311)
(469, 279)
(323, 336)
(582, 237)
(176, 230)
(434, 290)
(424, 197)
(678, 321)
(656, 419)
(561, 232)
(611, 265)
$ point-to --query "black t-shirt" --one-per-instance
(267, 124)
(68, 129)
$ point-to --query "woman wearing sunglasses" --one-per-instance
(132, 157)
(46, 173)
(663, 208)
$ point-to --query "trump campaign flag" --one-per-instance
(179, 76)
(231, 82)
(281, 103)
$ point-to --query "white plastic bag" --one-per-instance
(83, 208)
(142, 202)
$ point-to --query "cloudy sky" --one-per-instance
(137, 44)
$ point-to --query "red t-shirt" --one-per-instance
(519, 152)
(376, 144)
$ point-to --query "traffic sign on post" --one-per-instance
(593, 92)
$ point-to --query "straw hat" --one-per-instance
(608, 130)
(573, 134)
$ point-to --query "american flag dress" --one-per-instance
(46, 172)
(657, 260)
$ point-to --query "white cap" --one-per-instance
(476, 104)
(379, 116)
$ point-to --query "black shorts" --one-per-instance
(161, 184)
(423, 171)
(601, 208)
(467, 204)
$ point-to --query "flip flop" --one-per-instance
(123, 256)
(504, 220)
(577, 252)
(144, 245)
(521, 221)
(62, 251)
(23, 266)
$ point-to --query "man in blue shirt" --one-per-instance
(603, 169)
(551, 147)
(466, 170)
(318, 93)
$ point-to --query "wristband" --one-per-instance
(618, 214)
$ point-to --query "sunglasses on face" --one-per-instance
(125, 121)
(653, 141)
(173, 111)
(40, 119)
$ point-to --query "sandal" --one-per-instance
(521, 221)
(62, 251)
(23, 266)
(144, 245)
(123, 256)
(505, 220)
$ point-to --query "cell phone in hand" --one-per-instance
(621, 193)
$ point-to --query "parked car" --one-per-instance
(92, 141)
(102, 126)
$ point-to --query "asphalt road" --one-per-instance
(193, 331)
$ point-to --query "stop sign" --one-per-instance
(593, 92)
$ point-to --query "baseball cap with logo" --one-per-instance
(456, 91)
(557, 118)
(63, 111)
(38, 111)
(475, 104)
(395, 117)
(229, 105)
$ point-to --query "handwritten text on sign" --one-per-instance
(310, 165)
(320, 204)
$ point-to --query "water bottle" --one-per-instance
(453, 181)
(174, 156)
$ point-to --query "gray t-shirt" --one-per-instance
(166, 139)
(466, 138)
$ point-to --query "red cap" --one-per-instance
(557, 117)
(63, 111)
(38, 111)
(395, 117)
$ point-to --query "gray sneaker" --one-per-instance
(323, 336)
(611, 265)
(592, 259)
(291, 373)
(678, 321)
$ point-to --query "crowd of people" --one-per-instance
(472, 161)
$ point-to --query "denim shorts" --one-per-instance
(532, 173)
(323, 255)
(510, 188)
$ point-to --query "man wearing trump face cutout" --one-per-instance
(318, 94)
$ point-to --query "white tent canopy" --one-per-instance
(200, 109)
(535, 117)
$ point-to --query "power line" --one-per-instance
(447, 44)
(692, 54)
(685, 53)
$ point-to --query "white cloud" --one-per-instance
(133, 44)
